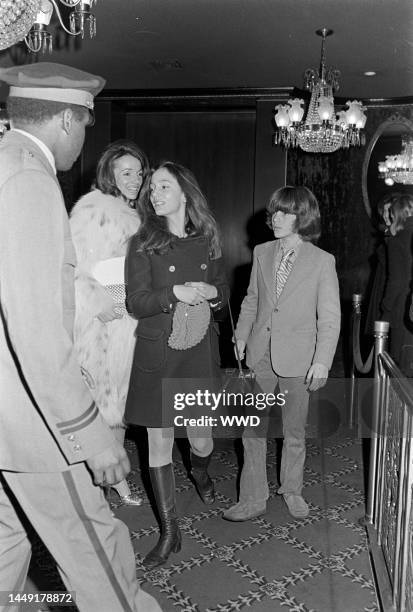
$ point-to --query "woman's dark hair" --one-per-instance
(381, 204)
(401, 208)
(154, 235)
(299, 201)
(105, 178)
(382, 209)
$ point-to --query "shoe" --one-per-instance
(245, 511)
(202, 479)
(133, 499)
(297, 507)
(163, 485)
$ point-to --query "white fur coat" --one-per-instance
(101, 226)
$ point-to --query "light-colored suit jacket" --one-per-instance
(303, 325)
(47, 417)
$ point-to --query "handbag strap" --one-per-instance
(241, 371)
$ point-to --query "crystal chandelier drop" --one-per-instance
(323, 130)
(16, 19)
(28, 20)
(399, 168)
(80, 20)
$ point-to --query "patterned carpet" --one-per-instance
(319, 564)
(273, 562)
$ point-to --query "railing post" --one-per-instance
(381, 333)
(356, 302)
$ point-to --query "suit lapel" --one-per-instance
(266, 261)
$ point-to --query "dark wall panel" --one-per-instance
(97, 138)
(270, 161)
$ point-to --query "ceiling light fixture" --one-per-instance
(16, 19)
(80, 19)
(28, 20)
(323, 130)
(399, 168)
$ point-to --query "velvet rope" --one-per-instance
(357, 360)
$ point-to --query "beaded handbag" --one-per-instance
(189, 325)
(110, 274)
(118, 295)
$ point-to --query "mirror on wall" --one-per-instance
(387, 140)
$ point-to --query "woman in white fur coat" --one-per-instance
(101, 223)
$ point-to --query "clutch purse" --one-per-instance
(110, 273)
(189, 325)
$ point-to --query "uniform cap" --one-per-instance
(51, 81)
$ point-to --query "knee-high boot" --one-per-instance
(163, 485)
(203, 482)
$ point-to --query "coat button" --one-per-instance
(203, 266)
(268, 328)
(77, 448)
(171, 268)
(275, 309)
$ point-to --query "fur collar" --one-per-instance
(105, 202)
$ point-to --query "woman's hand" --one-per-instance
(189, 295)
(110, 313)
(209, 292)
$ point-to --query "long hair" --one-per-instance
(105, 178)
(154, 235)
(299, 201)
(401, 209)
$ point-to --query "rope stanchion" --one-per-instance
(361, 367)
(381, 334)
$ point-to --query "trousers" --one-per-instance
(92, 549)
(294, 412)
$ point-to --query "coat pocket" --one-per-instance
(150, 351)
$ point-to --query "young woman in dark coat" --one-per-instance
(379, 279)
(174, 258)
(397, 295)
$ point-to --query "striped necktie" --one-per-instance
(283, 271)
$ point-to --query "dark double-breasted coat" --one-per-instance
(149, 287)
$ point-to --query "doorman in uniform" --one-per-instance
(55, 449)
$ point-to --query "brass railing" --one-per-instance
(389, 511)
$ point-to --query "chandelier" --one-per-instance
(28, 20)
(323, 130)
(399, 168)
(16, 19)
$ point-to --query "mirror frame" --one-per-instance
(396, 118)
